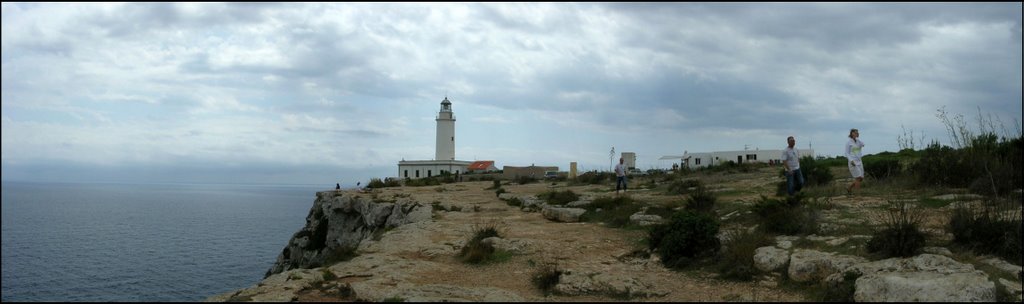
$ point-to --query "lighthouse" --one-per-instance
(444, 153)
(445, 132)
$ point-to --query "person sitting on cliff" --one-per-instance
(337, 187)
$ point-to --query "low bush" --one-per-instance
(701, 200)
(499, 191)
(685, 237)
(682, 187)
(546, 277)
(614, 212)
(494, 185)
(522, 180)
(477, 252)
(559, 197)
(901, 235)
(420, 182)
(787, 215)
(594, 178)
(515, 202)
(814, 173)
(995, 229)
(735, 261)
(883, 165)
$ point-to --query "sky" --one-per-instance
(320, 93)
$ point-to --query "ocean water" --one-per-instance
(143, 242)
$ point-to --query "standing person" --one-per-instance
(853, 153)
(791, 162)
(337, 187)
(620, 175)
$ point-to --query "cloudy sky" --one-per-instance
(317, 93)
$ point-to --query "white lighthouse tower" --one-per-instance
(444, 155)
(445, 132)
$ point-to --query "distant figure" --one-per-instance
(620, 176)
(337, 187)
(791, 162)
(853, 153)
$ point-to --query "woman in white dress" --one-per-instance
(853, 153)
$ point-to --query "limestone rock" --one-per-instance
(770, 259)
(926, 277)
(937, 250)
(811, 265)
(1003, 266)
(1013, 288)
(340, 221)
(645, 219)
(516, 246)
(567, 215)
(579, 203)
(583, 283)
(924, 287)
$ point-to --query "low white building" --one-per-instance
(444, 156)
(705, 159)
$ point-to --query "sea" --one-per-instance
(119, 242)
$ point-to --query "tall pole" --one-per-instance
(611, 154)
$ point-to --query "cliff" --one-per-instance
(336, 225)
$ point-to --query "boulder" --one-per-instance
(770, 258)
(567, 215)
(923, 278)
(812, 265)
(579, 203)
(645, 219)
(1013, 289)
(1004, 266)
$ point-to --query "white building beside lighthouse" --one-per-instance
(444, 154)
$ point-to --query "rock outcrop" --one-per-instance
(337, 223)
(923, 278)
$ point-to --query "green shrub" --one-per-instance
(515, 202)
(522, 180)
(376, 183)
(882, 166)
(735, 261)
(701, 200)
(420, 182)
(992, 230)
(814, 173)
(496, 184)
(901, 236)
(787, 215)
(499, 191)
(686, 236)
(594, 178)
(614, 212)
(546, 277)
(681, 187)
(559, 197)
(477, 252)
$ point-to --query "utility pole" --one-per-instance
(611, 154)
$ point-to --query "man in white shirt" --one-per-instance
(791, 162)
(620, 175)
(853, 153)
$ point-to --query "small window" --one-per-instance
(697, 161)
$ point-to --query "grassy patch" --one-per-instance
(559, 197)
(546, 276)
(735, 260)
(478, 252)
(614, 212)
(933, 203)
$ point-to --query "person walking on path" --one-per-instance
(853, 154)
(791, 162)
(620, 175)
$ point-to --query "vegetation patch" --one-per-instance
(685, 237)
(613, 211)
(842, 291)
(735, 261)
(478, 252)
(558, 197)
(789, 215)
(901, 236)
(376, 183)
(701, 200)
(995, 229)
(546, 277)
(682, 187)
